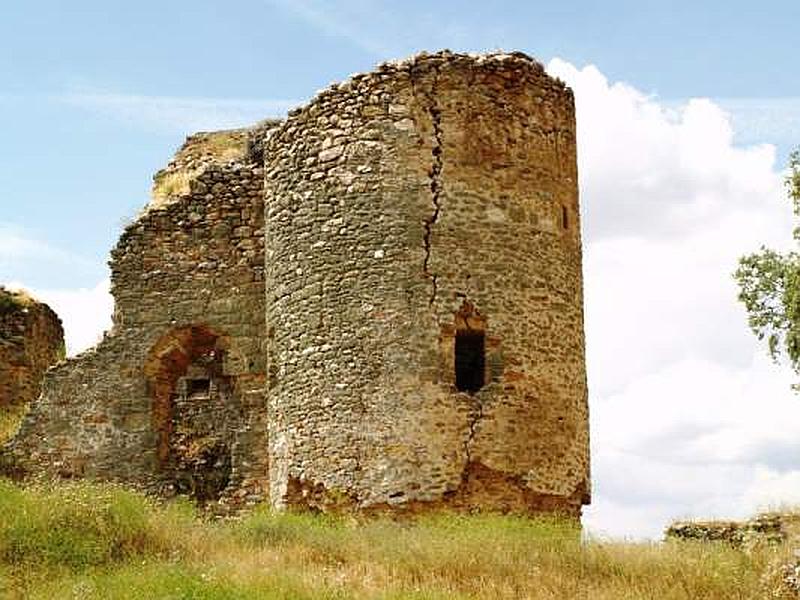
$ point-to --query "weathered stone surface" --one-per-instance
(779, 530)
(376, 304)
(767, 528)
(187, 279)
(461, 217)
(31, 340)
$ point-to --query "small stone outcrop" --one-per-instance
(375, 304)
(771, 528)
(778, 530)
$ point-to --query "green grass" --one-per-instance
(75, 526)
(10, 420)
(171, 581)
(87, 541)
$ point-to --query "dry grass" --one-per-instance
(214, 147)
(170, 185)
(224, 146)
(81, 541)
(10, 420)
(12, 300)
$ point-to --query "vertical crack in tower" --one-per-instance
(474, 418)
(434, 176)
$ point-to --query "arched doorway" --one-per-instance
(196, 412)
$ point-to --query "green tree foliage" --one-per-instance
(769, 287)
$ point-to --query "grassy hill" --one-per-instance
(85, 541)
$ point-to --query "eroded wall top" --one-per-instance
(31, 339)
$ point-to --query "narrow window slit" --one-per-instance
(564, 217)
(470, 360)
(198, 387)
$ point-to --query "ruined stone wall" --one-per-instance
(387, 314)
(765, 528)
(419, 219)
(187, 279)
(31, 340)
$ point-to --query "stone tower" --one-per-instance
(424, 292)
(376, 303)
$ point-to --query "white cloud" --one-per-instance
(774, 490)
(694, 439)
(18, 245)
(648, 170)
(177, 114)
(25, 257)
(689, 418)
(85, 312)
(775, 119)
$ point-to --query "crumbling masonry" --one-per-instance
(376, 303)
(31, 339)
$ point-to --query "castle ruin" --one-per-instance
(31, 340)
(373, 304)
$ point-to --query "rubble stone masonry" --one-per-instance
(31, 340)
(407, 211)
(187, 279)
(375, 304)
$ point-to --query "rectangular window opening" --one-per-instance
(470, 360)
(198, 387)
(564, 217)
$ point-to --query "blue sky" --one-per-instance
(686, 113)
(75, 163)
